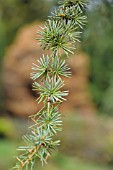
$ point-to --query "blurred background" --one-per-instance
(87, 137)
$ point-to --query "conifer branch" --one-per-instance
(60, 34)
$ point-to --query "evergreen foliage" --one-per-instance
(59, 34)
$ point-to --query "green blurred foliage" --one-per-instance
(86, 144)
(59, 162)
(107, 101)
(7, 128)
(89, 139)
(98, 43)
(13, 15)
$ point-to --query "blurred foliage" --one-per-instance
(7, 129)
(89, 139)
(87, 144)
(98, 43)
(13, 15)
(59, 162)
(107, 101)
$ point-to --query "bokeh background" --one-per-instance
(87, 137)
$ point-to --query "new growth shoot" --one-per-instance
(59, 35)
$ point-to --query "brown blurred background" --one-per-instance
(87, 136)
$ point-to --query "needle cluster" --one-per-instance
(59, 35)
